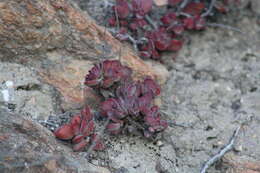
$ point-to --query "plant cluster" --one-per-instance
(129, 108)
(80, 130)
(153, 36)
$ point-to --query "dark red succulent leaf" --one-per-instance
(175, 45)
(122, 34)
(106, 73)
(89, 129)
(189, 23)
(77, 139)
(150, 86)
(112, 21)
(161, 38)
(147, 134)
(129, 89)
(161, 44)
(169, 18)
(129, 105)
(75, 123)
(200, 23)
(123, 23)
(122, 8)
(195, 22)
(112, 109)
(141, 7)
(145, 101)
(155, 55)
(145, 54)
(222, 8)
(194, 8)
(138, 23)
(87, 125)
(177, 29)
(99, 145)
(114, 128)
(94, 76)
(153, 120)
(80, 146)
(133, 26)
(86, 114)
(174, 2)
(80, 130)
(115, 70)
(64, 132)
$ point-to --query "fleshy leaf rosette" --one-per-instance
(106, 73)
(153, 120)
(80, 130)
(133, 103)
(130, 107)
(151, 36)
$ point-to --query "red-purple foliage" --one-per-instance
(80, 131)
(106, 73)
(133, 101)
(164, 34)
(141, 7)
(130, 107)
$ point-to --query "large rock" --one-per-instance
(61, 42)
(26, 146)
(241, 164)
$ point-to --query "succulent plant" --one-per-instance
(165, 33)
(131, 107)
(80, 130)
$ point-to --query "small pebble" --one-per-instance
(238, 148)
(159, 143)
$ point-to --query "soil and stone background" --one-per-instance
(209, 89)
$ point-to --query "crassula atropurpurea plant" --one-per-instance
(151, 35)
(129, 108)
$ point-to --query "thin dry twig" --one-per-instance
(182, 5)
(225, 27)
(117, 19)
(173, 123)
(150, 21)
(212, 3)
(222, 152)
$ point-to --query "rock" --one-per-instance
(27, 147)
(22, 91)
(62, 42)
(162, 74)
(160, 2)
(255, 5)
(240, 164)
(68, 79)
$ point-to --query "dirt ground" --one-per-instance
(213, 88)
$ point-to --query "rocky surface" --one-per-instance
(211, 88)
(28, 147)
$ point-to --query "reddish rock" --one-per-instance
(61, 42)
(31, 148)
(241, 164)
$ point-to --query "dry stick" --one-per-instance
(118, 27)
(173, 123)
(150, 21)
(225, 27)
(117, 20)
(183, 4)
(222, 152)
(209, 9)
